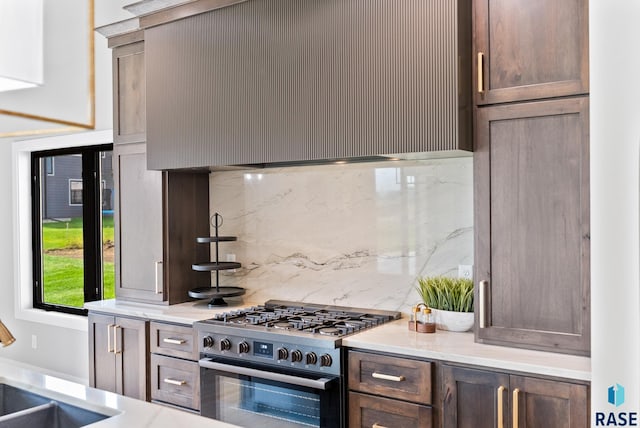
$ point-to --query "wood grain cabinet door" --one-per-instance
(526, 50)
(102, 359)
(138, 225)
(132, 357)
(546, 403)
(532, 239)
(474, 398)
(129, 94)
(366, 411)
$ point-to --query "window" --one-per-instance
(72, 228)
(48, 164)
(75, 192)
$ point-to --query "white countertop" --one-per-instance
(395, 337)
(124, 411)
(183, 313)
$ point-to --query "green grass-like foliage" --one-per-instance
(446, 293)
(63, 276)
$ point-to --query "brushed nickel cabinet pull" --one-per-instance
(484, 291)
(514, 423)
(115, 339)
(175, 382)
(388, 377)
(500, 406)
(174, 341)
(158, 277)
(109, 348)
(480, 72)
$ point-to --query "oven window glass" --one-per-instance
(247, 401)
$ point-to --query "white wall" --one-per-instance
(615, 157)
(58, 349)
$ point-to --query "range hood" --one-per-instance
(305, 81)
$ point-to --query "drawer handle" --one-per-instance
(174, 341)
(109, 348)
(175, 382)
(500, 406)
(115, 339)
(377, 425)
(514, 424)
(480, 66)
(484, 295)
(159, 277)
(388, 377)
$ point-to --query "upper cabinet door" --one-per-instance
(532, 238)
(527, 50)
(129, 94)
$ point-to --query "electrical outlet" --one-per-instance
(465, 271)
(34, 341)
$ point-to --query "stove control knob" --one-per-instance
(243, 348)
(325, 360)
(283, 353)
(296, 356)
(312, 358)
(225, 345)
(207, 342)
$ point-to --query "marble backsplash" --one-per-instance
(345, 234)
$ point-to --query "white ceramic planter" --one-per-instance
(453, 321)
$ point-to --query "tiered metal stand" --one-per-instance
(217, 293)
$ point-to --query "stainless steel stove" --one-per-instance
(292, 350)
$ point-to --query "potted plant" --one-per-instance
(450, 299)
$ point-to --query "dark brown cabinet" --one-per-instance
(389, 391)
(531, 178)
(129, 90)
(478, 399)
(158, 217)
(175, 374)
(118, 355)
(528, 50)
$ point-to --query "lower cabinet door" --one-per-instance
(377, 412)
(474, 398)
(175, 381)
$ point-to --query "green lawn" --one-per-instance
(63, 273)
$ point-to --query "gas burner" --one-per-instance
(329, 331)
(283, 325)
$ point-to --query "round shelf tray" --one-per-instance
(213, 266)
(216, 295)
(210, 239)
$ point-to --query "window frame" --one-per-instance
(92, 224)
(21, 206)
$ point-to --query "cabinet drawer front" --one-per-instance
(175, 381)
(174, 340)
(367, 411)
(390, 376)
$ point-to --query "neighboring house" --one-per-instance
(62, 186)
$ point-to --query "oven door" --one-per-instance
(251, 395)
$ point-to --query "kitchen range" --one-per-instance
(279, 364)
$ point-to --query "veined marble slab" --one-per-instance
(350, 234)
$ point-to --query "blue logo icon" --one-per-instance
(616, 394)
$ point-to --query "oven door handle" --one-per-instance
(321, 384)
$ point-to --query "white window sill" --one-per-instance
(57, 319)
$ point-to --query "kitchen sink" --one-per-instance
(23, 408)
